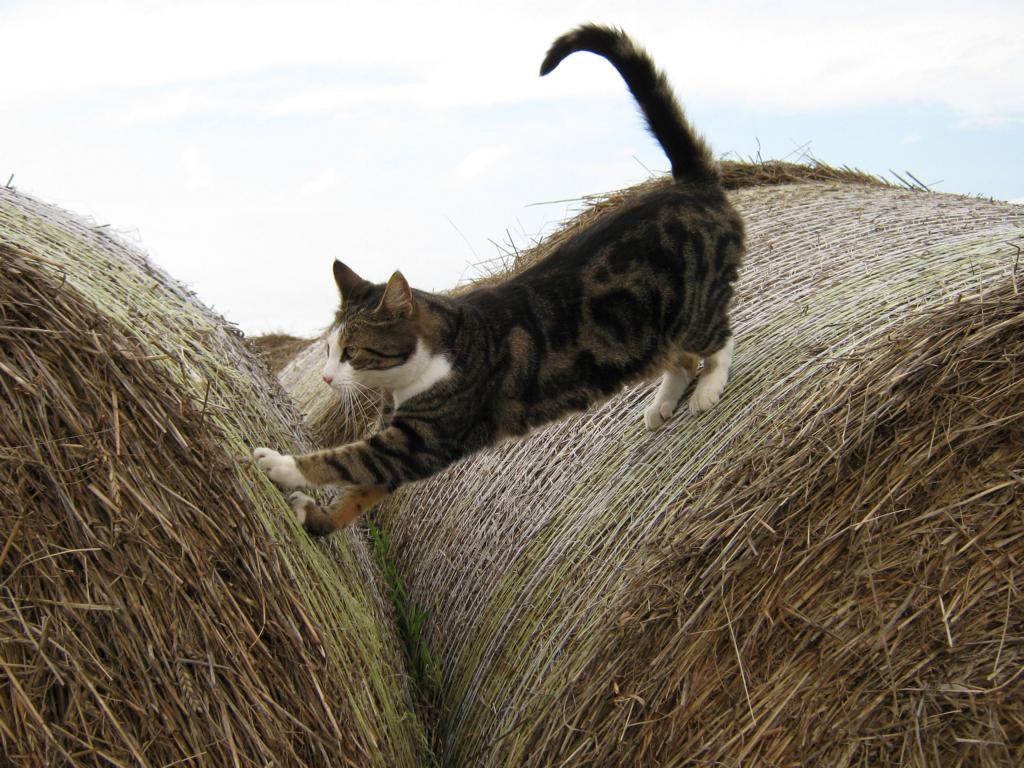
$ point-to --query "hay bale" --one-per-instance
(822, 570)
(159, 606)
(737, 174)
(278, 349)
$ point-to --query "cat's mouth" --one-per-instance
(342, 384)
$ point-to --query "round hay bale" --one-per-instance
(738, 174)
(158, 605)
(822, 570)
(278, 349)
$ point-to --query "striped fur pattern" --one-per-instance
(644, 291)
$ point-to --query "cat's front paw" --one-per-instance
(280, 468)
(303, 506)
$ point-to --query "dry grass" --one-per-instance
(737, 174)
(278, 349)
(158, 605)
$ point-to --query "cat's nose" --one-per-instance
(328, 379)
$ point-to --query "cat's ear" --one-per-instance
(345, 278)
(397, 298)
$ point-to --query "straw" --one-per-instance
(158, 604)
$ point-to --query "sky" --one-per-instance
(246, 145)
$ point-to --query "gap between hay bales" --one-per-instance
(421, 662)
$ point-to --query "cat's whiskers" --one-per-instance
(358, 399)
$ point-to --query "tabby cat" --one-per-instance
(644, 290)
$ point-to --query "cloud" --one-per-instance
(480, 161)
(323, 182)
(73, 44)
(797, 55)
(910, 138)
(801, 56)
(170, 105)
(197, 176)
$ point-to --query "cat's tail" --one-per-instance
(689, 154)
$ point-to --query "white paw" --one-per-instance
(299, 500)
(280, 468)
(704, 397)
(657, 414)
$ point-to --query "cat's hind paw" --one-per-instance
(280, 468)
(311, 516)
(714, 378)
(705, 397)
(657, 414)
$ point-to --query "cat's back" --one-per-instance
(673, 210)
(655, 229)
(638, 265)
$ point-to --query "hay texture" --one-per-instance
(825, 569)
(158, 605)
(278, 349)
(739, 174)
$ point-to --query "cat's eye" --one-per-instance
(351, 351)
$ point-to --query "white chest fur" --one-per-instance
(421, 371)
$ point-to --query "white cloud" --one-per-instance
(173, 104)
(197, 175)
(323, 182)
(910, 138)
(334, 98)
(793, 55)
(480, 161)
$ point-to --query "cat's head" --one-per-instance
(377, 339)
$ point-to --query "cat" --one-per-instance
(644, 290)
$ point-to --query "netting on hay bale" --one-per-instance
(158, 605)
(822, 570)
